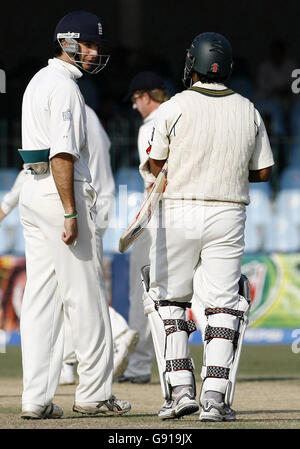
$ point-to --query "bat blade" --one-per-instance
(144, 215)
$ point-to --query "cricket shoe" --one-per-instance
(143, 379)
(123, 346)
(67, 375)
(112, 406)
(183, 404)
(216, 411)
(51, 411)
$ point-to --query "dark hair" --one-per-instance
(212, 78)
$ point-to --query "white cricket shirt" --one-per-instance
(211, 144)
(98, 155)
(144, 138)
(145, 135)
(53, 115)
(100, 167)
(98, 160)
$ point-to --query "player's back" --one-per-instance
(210, 154)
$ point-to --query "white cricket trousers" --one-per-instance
(118, 327)
(141, 360)
(197, 252)
(118, 323)
(59, 275)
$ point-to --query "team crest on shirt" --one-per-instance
(67, 115)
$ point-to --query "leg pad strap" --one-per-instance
(217, 372)
(166, 302)
(221, 332)
(213, 311)
(179, 325)
(179, 364)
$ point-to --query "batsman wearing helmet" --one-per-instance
(215, 143)
(63, 270)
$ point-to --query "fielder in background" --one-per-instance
(63, 271)
(147, 91)
(215, 142)
(124, 338)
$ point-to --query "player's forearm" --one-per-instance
(262, 175)
(2, 214)
(11, 198)
(6, 208)
(62, 166)
(156, 166)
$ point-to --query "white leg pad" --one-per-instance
(171, 344)
(245, 305)
(222, 347)
(218, 351)
(158, 336)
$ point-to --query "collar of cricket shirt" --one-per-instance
(150, 116)
(64, 66)
(210, 86)
(212, 90)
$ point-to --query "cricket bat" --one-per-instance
(145, 213)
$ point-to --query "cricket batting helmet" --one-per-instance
(210, 55)
(81, 26)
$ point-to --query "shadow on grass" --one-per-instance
(268, 378)
(100, 415)
(269, 412)
(20, 395)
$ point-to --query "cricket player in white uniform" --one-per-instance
(124, 338)
(147, 91)
(62, 266)
(215, 143)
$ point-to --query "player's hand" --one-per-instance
(148, 189)
(2, 214)
(71, 231)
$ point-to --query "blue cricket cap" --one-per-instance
(81, 25)
(145, 81)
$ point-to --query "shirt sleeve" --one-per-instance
(11, 198)
(262, 156)
(67, 120)
(167, 118)
(144, 140)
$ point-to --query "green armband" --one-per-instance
(73, 215)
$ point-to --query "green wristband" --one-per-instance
(73, 215)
